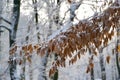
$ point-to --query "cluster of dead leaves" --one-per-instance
(85, 34)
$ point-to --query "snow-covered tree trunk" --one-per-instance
(4, 41)
(35, 3)
(117, 24)
(14, 21)
(42, 68)
(1, 6)
(118, 50)
(102, 65)
(91, 62)
(56, 20)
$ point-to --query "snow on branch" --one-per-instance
(9, 29)
(5, 20)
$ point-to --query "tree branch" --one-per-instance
(5, 20)
(85, 34)
(5, 28)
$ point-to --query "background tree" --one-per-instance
(13, 32)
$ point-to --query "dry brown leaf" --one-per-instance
(11, 52)
(38, 50)
(30, 48)
(15, 48)
(42, 52)
(112, 32)
(79, 55)
(20, 62)
(88, 69)
(24, 48)
(118, 48)
(50, 73)
(29, 59)
(36, 47)
(91, 65)
(113, 51)
(75, 58)
(20, 53)
(95, 53)
(108, 59)
(69, 1)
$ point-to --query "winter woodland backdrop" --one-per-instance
(59, 39)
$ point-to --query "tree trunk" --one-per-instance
(0, 34)
(91, 61)
(117, 52)
(55, 76)
(43, 63)
(117, 24)
(103, 73)
(15, 19)
(35, 10)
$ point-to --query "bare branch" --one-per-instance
(5, 20)
(5, 28)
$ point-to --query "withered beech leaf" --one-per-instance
(24, 48)
(36, 46)
(118, 48)
(20, 53)
(52, 71)
(38, 50)
(108, 59)
(29, 47)
(91, 65)
(29, 59)
(79, 55)
(20, 62)
(15, 48)
(75, 58)
(88, 69)
(95, 53)
(42, 52)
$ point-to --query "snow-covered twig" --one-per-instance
(9, 29)
(5, 20)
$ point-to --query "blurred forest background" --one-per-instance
(59, 39)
